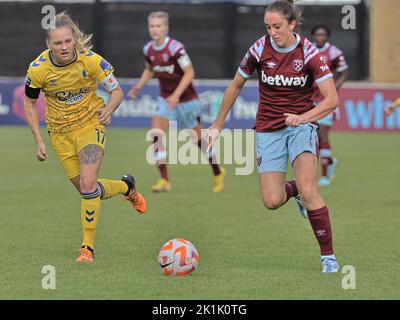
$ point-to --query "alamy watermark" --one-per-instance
(49, 280)
(49, 20)
(181, 147)
(349, 20)
(349, 280)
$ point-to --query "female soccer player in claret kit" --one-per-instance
(336, 62)
(167, 59)
(68, 73)
(287, 65)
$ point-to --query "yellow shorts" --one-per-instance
(67, 146)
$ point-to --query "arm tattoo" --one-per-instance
(90, 154)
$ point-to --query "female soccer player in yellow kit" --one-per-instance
(392, 107)
(68, 73)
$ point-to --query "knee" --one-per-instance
(87, 184)
(309, 193)
(272, 203)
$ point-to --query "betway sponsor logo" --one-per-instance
(168, 69)
(282, 81)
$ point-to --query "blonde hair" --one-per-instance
(161, 15)
(289, 10)
(82, 40)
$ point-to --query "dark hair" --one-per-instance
(321, 26)
(288, 9)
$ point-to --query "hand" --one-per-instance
(41, 153)
(133, 93)
(390, 109)
(104, 116)
(172, 101)
(294, 120)
(212, 134)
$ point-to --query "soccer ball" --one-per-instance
(178, 257)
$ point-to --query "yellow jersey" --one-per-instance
(70, 90)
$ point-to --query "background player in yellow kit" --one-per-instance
(68, 73)
(392, 107)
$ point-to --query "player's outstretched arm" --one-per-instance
(32, 118)
(147, 74)
(392, 107)
(230, 96)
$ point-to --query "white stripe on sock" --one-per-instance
(160, 155)
(325, 153)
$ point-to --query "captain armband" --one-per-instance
(110, 82)
(184, 61)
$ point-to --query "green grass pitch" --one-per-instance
(246, 252)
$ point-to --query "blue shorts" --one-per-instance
(274, 148)
(185, 113)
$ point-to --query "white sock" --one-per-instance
(332, 256)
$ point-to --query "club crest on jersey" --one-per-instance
(165, 57)
(297, 64)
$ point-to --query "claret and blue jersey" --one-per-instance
(286, 77)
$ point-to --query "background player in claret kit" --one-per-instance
(336, 62)
(68, 74)
(287, 65)
(392, 107)
(168, 60)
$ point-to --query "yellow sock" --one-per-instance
(90, 214)
(111, 188)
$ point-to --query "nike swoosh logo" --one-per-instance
(166, 265)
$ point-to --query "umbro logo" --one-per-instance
(271, 65)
